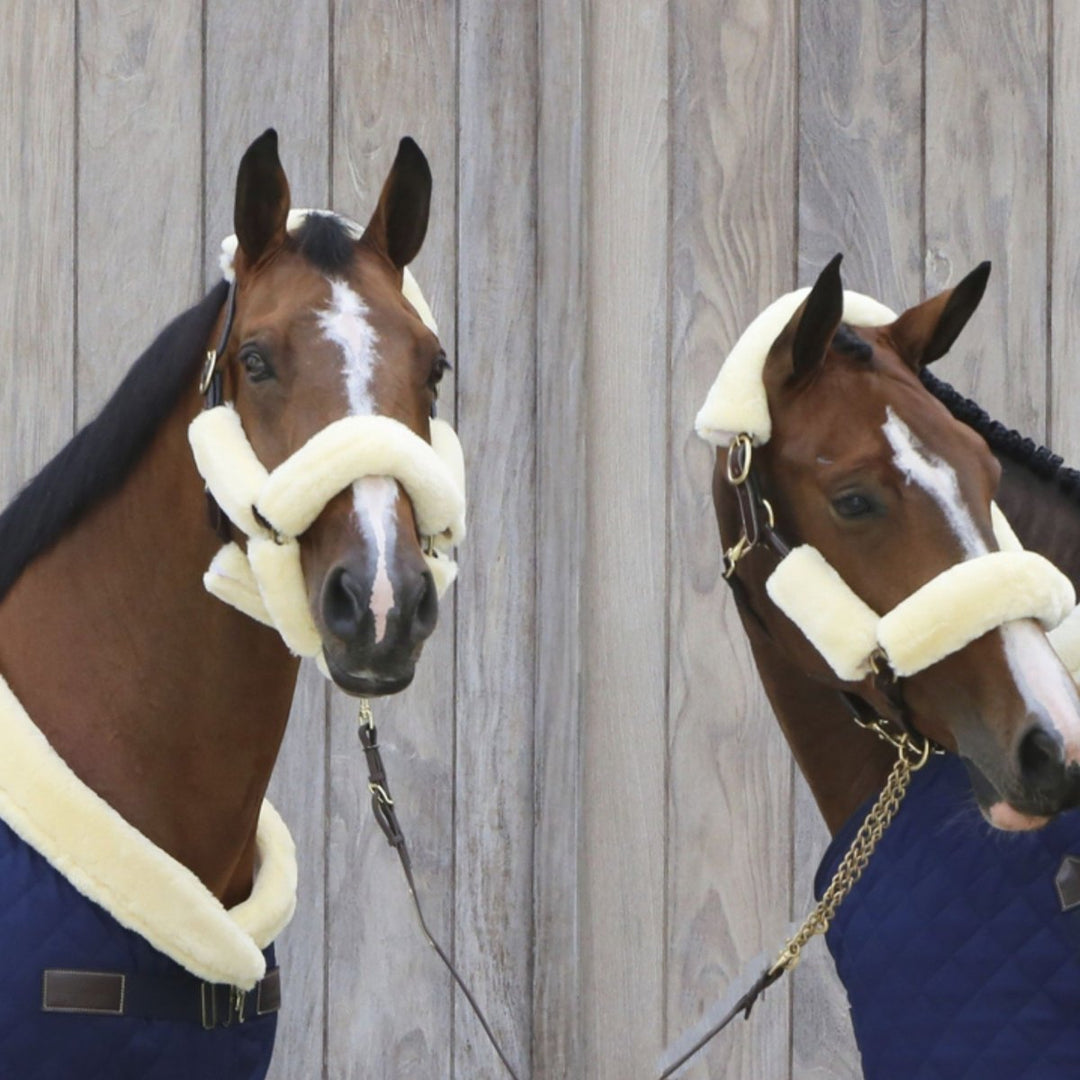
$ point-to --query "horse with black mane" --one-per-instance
(897, 560)
(143, 878)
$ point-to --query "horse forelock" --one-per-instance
(97, 460)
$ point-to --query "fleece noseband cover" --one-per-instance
(274, 508)
(951, 610)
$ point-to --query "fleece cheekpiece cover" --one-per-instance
(954, 608)
(141, 886)
(273, 509)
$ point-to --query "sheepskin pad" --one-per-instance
(949, 611)
(736, 403)
(142, 887)
(274, 508)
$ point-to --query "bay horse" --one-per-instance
(958, 948)
(141, 716)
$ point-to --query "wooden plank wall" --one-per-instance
(606, 826)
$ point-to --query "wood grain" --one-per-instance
(37, 238)
(624, 628)
(729, 825)
(496, 594)
(562, 313)
(1064, 372)
(139, 183)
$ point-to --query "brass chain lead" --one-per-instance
(910, 758)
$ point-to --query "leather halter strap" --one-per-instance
(211, 388)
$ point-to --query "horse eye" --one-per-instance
(256, 365)
(853, 505)
(439, 367)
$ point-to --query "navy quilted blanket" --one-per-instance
(957, 956)
(46, 923)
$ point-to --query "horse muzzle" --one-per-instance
(375, 624)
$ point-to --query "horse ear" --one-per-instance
(399, 224)
(927, 331)
(262, 198)
(818, 319)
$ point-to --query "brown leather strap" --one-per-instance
(181, 997)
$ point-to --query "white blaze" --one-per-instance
(1033, 665)
(345, 323)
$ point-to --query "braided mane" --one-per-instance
(1005, 442)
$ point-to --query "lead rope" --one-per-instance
(911, 756)
(382, 805)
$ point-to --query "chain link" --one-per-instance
(910, 758)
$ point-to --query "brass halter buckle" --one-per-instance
(739, 459)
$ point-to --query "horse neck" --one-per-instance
(842, 763)
(1045, 518)
(167, 703)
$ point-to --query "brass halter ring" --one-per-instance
(741, 451)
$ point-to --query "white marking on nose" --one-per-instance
(345, 323)
(1043, 681)
(375, 497)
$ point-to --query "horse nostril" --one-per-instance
(345, 604)
(1042, 756)
(427, 608)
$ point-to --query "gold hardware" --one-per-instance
(734, 554)
(745, 444)
(208, 370)
(911, 757)
(381, 794)
(365, 719)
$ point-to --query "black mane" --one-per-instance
(1005, 442)
(97, 460)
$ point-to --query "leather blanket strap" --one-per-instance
(978, 934)
(46, 924)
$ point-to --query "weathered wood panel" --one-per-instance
(729, 830)
(1064, 221)
(496, 597)
(625, 631)
(561, 314)
(139, 234)
(37, 238)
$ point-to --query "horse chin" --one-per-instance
(1007, 818)
(366, 682)
(996, 810)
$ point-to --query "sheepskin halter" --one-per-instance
(952, 609)
(273, 509)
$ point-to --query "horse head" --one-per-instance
(892, 500)
(332, 374)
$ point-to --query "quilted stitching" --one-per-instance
(45, 922)
(957, 959)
